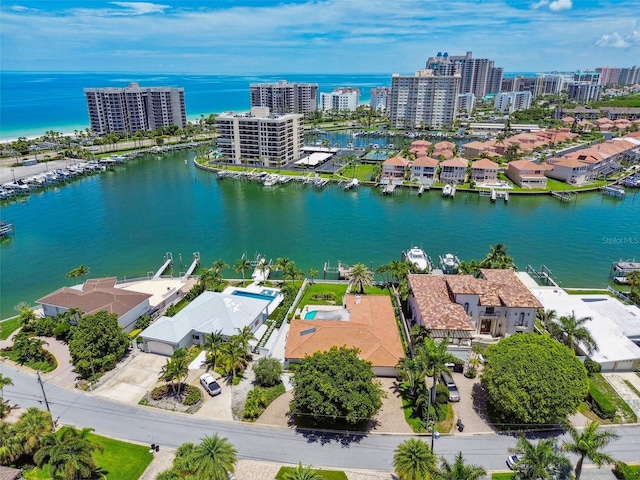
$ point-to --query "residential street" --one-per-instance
(282, 445)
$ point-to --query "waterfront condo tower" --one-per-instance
(380, 98)
(478, 75)
(424, 100)
(340, 99)
(509, 102)
(135, 108)
(260, 137)
(284, 97)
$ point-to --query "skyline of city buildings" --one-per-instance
(285, 97)
(260, 137)
(135, 108)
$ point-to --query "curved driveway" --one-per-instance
(146, 425)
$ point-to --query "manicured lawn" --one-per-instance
(122, 460)
(624, 413)
(7, 327)
(416, 424)
(363, 171)
(326, 474)
(119, 461)
(338, 289)
(502, 476)
(446, 425)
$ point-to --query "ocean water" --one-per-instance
(35, 102)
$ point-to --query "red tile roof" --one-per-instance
(372, 328)
(437, 309)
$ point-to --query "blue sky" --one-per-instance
(314, 36)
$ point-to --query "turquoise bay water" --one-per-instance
(122, 223)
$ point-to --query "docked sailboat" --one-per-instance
(419, 258)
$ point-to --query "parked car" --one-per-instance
(210, 385)
(512, 460)
(454, 394)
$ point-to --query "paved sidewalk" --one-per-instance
(616, 380)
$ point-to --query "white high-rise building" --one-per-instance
(260, 137)
(380, 98)
(479, 76)
(509, 102)
(340, 99)
(424, 100)
(466, 103)
(135, 108)
(584, 92)
(285, 97)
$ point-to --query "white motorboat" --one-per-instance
(449, 263)
(417, 256)
(446, 190)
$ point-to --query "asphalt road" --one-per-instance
(146, 425)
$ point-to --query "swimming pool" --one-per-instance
(259, 296)
(310, 315)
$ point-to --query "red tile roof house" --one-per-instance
(96, 295)
(460, 307)
(605, 157)
(454, 171)
(484, 171)
(604, 124)
(420, 144)
(527, 174)
(371, 327)
(568, 170)
(394, 170)
(423, 170)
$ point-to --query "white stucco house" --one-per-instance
(210, 312)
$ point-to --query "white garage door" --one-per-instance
(160, 348)
(625, 366)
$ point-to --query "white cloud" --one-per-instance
(633, 37)
(141, 8)
(541, 3)
(20, 8)
(558, 5)
(613, 40)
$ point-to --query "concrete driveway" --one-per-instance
(131, 381)
(472, 407)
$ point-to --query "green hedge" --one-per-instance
(601, 405)
(259, 399)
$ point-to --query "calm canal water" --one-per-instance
(122, 223)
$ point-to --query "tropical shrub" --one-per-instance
(193, 396)
(259, 399)
(592, 367)
(268, 371)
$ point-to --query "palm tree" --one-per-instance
(312, 274)
(10, 445)
(69, 453)
(292, 272)
(79, 271)
(633, 278)
(26, 316)
(468, 268)
(210, 279)
(219, 265)
(282, 264)
(175, 370)
(459, 470)
(232, 357)
(30, 427)
(414, 460)
(264, 268)
(359, 277)
(302, 473)
(547, 318)
(241, 266)
(244, 337)
(542, 460)
(571, 331)
(497, 258)
(589, 444)
(212, 343)
(214, 458)
(4, 382)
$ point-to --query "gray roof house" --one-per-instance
(210, 312)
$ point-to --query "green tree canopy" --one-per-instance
(98, 343)
(414, 460)
(268, 371)
(533, 380)
(336, 387)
